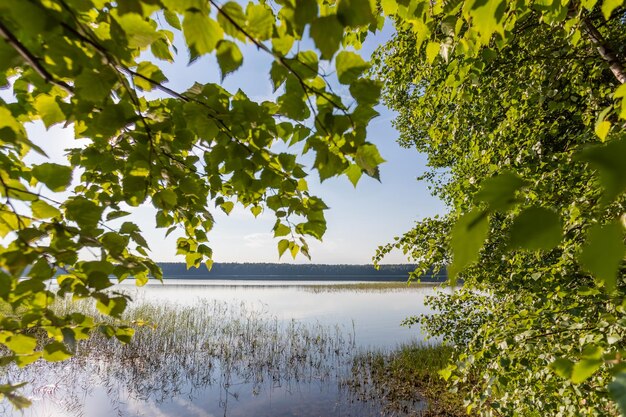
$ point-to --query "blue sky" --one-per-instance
(359, 220)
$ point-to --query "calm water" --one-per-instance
(238, 348)
(373, 315)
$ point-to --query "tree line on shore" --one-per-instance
(391, 272)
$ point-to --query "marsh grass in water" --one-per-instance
(368, 287)
(234, 352)
(399, 378)
(230, 358)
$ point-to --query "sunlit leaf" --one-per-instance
(349, 66)
(56, 351)
(49, 110)
(201, 33)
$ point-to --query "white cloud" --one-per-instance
(258, 240)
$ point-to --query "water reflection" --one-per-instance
(225, 352)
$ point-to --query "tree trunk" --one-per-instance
(604, 49)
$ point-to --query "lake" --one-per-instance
(230, 348)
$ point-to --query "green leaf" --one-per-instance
(150, 71)
(609, 161)
(21, 344)
(584, 369)
(140, 32)
(48, 108)
(278, 74)
(84, 212)
(602, 129)
(260, 21)
(8, 391)
(55, 352)
(227, 206)
(355, 12)
(603, 253)
(114, 243)
(24, 360)
(292, 103)
(487, 16)
(349, 66)
(283, 245)
(327, 34)
(229, 57)
(617, 390)
(172, 19)
(94, 86)
(209, 264)
(165, 199)
(112, 306)
(432, 51)
(562, 367)
(282, 43)
(15, 189)
(499, 191)
(467, 238)
(368, 158)
(161, 50)
(193, 259)
(9, 126)
(256, 210)
(199, 120)
(124, 334)
(10, 222)
(608, 6)
(536, 228)
(117, 214)
(366, 92)
(354, 173)
(281, 230)
(56, 177)
(43, 210)
(305, 12)
(315, 228)
(201, 33)
(232, 19)
(293, 249)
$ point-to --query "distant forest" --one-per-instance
(269, 271)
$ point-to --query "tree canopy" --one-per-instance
(519, 107)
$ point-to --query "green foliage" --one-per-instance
(519, 107)
(86, 65)
(617, 389)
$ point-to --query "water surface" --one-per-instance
(231, 348)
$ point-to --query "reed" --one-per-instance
(406, 381)
(369, 287)
(188, 349)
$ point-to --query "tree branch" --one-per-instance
(604, 49)
(31, 59)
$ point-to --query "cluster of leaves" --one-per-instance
(520, 108)
(88, 64)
